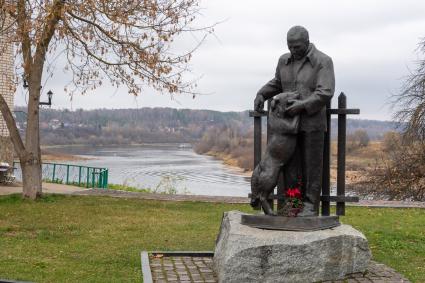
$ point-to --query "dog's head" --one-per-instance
(281, 101)
(278, 122)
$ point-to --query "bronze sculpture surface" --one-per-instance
(305, 80)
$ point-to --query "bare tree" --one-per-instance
(126, 42)
(401, 172)
(410, 103)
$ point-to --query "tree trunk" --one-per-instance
(31, 177)
(31, 163)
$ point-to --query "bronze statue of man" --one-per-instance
(308, 72)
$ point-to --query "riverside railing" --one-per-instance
(69, 174)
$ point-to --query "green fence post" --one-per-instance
(100, 180)
(102, 184)
(88, 177)
(67, 174)
(93, 176)
(79, 175)
(103, 179)
(54, 171)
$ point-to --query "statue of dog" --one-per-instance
(280, 148)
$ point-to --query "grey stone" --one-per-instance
(246, 254)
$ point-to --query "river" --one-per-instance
(163, 166)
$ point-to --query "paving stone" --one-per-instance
(356, 275)
(199, 269)
(182, 274)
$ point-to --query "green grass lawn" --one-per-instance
(99, 239)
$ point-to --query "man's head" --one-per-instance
(298, 41)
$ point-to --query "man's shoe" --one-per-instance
(308, 210)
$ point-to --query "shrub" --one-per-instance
(358, 139)
(400, 174)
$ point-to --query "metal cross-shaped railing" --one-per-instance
(326, 198)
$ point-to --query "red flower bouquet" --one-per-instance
(294, 203)
(293, 193)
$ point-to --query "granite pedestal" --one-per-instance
(247, 254)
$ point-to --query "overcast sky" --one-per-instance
(372, 44)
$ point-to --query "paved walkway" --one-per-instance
(49, 188)
(72, 190)
(173, 269)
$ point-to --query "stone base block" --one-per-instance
(246, 254)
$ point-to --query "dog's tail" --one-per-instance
(255, 192)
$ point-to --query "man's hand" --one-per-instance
(259, 103)
(295, 108)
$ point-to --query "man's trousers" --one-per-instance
(307, 164)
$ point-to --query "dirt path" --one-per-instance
(72, 190)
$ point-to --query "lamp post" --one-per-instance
(49, 95)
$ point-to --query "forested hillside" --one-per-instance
(129, 126)
(153, 125)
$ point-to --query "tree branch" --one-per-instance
(13, 130)
(24, 35)
(52, 20)
(105, 33)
